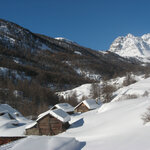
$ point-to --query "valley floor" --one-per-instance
(113, 126)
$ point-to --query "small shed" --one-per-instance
(51, 122)
(86, 105)
(65, 107)
(32, 129)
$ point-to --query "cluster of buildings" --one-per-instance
(56, 120)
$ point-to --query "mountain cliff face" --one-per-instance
(131, 46)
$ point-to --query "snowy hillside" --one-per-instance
(84, 91)
(136, 90)
(131, 46)
(117, 125)
(114, 126)
(81, 91)
(44, 143)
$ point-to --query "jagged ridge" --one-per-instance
(132, 46)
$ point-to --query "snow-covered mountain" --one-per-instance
(132, 46)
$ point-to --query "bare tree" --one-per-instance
(72, 99)
(95, 91)
(128, 80)
(107, 92)
(146, 116)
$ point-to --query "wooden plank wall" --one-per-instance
(49, 126)
(81, 108)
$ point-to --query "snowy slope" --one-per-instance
(85, 89)
(44, 143)
(118, 82)
(131, 46)
(138, 89)
(114, 126)
(81, 91)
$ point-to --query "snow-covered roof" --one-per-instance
(57, 113)
(64, 106)
(3, 111)
(31, 125)
(89, 103)
(8, 109)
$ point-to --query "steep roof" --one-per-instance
(89, 103)
(8, 109)
(57, 113)
(64, 106)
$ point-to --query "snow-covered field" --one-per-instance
(113, 126)
(44, 143)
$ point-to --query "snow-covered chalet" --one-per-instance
(86, 105)
(51, 122)
(65, 107)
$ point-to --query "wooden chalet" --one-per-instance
(51, 122)
(65, 107)
(86, 105)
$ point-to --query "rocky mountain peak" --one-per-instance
(132, 46)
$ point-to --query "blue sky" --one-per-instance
(91, 23)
